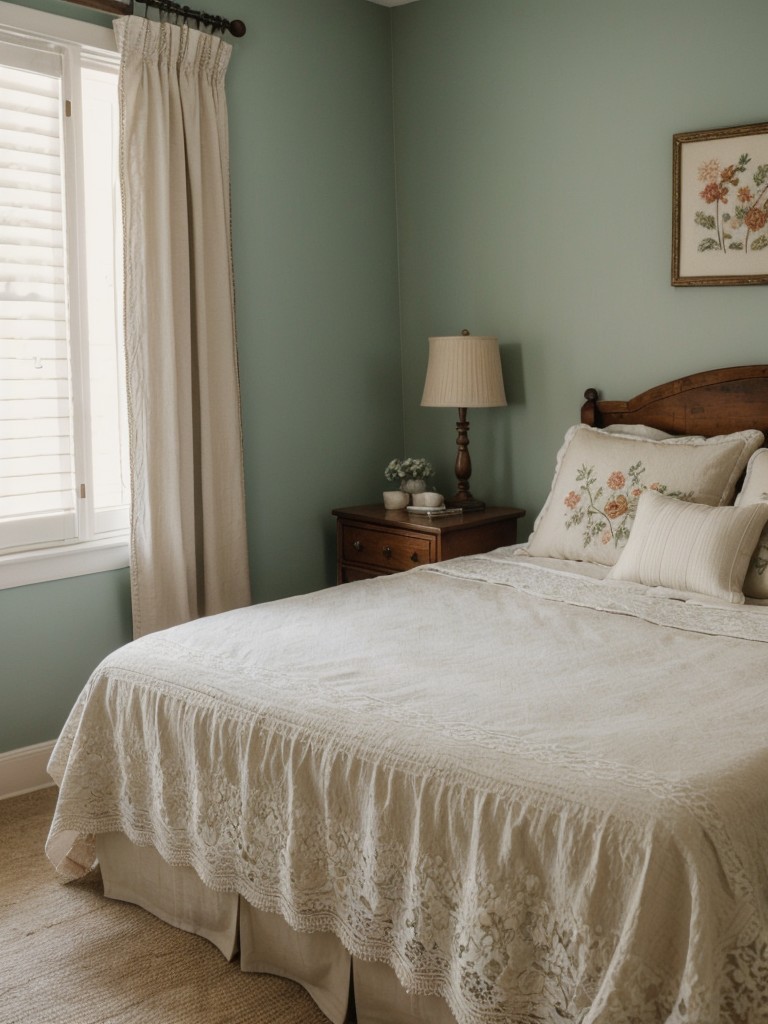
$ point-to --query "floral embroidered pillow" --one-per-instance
(600, 476)
(754, 491)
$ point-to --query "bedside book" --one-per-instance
(432, 513)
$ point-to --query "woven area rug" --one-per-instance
(70, 956)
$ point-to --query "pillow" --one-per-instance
(755, 489)
(684, 546)
(599, 477)
(637, 430)
(649, 433)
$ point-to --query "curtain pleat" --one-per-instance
(188, 528)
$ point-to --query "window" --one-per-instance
(64, 476)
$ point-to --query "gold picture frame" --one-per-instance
(720, 206)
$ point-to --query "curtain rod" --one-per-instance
(237, 28)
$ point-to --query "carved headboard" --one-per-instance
(714, 402)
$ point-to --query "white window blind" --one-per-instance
(64, 478)
(37, 481)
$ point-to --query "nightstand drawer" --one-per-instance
(387, 550)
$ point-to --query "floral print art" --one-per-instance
(605, 510)
(736, 211)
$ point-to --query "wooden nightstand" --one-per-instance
(373, 541)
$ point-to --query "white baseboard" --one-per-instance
(24, 769)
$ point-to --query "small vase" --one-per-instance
(413, 486)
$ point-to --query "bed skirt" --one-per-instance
(266, 943)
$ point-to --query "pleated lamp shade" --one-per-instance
(464, 372)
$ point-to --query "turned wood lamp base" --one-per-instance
(463, 498)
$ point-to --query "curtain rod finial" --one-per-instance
(237, 28)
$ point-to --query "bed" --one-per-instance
(529, 786)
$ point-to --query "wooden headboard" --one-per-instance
(714, 402)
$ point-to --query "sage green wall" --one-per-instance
(534, 170)
(52, 635)
(310, 113)
(315, 255)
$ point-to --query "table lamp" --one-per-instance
(464, 372)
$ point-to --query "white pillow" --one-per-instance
(698, 548)
(755, 489)
(599, 477)
(649, 433)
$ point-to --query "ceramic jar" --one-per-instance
(413, 486)
(395, 499)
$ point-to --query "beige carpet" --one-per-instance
(70, 956)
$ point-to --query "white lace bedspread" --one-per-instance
(542, 811)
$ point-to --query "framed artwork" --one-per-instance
(110, 6)
(720, 206)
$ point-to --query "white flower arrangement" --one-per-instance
(409, 469)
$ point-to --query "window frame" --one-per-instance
(81, 557)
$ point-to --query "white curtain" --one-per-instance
(188, 534)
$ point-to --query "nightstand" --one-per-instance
(374, 541)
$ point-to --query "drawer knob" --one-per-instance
(357, 545)
(387, 551)
(415, 556)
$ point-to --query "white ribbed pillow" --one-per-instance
(700, 548)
